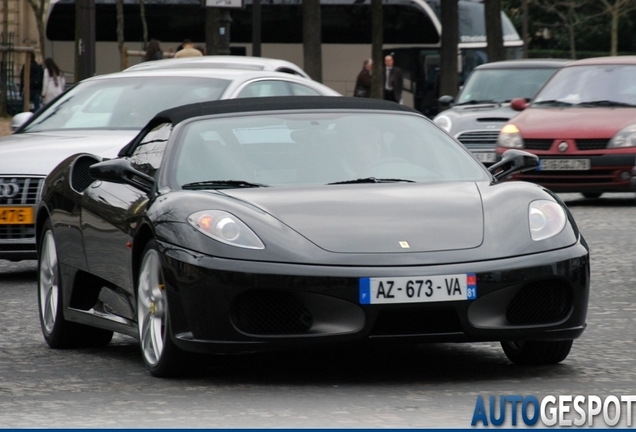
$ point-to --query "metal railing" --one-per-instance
(11, 102)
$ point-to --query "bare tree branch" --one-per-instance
(570, 16)
(39, 8)
(616, 9)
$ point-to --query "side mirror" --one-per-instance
(446, 101)
(513, 161)
(518, 104)
(121, 171)
(20, 119)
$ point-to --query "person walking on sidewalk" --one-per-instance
(54, 81)
(363, 81)
(35, 82)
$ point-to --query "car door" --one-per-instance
(111, 212)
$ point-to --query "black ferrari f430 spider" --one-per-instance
(260, 224)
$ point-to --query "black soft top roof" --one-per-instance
(178, 114)
(245, 105)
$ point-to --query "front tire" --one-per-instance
(161, 356)
(57, 331)
(536, 352)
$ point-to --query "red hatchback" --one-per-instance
(582, 125)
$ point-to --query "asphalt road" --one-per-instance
(423, 386)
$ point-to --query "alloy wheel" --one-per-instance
(151, 308)
(48, 282)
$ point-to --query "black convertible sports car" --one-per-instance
(243, 225)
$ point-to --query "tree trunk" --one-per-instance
(3, 65)
(120, 32)
(144, 23)
(211, 30)
(494, 32)
(614, 31)
(39, 8)
(571, 20)
(377, 41)
(449, 80)
(312, 48)
(524, 26)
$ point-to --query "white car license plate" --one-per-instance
(564, 165)
(418, 289)
(486, 157)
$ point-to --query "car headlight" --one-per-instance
(226, 228)
(626, 137)
(547, 219)
(444, 122)
(510, 137)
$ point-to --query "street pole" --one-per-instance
(524, 27)
(256, 28)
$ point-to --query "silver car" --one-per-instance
(100, 115)
(223, 62)
(482, 106)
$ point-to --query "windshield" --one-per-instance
(472, 24)
(592, 85)
(318, 148)
(503, 85)
(123, 102)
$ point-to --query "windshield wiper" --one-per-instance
(372, 180)
(604, 103)
(552, 102)
(221, 184)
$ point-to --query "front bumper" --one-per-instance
(607, 173)
(219, 305)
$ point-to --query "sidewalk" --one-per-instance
(5, 126)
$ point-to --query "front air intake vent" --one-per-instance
(80, 177)
(270, 312)
(540, 303)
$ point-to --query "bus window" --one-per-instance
(412, 31)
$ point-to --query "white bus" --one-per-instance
(412, 32)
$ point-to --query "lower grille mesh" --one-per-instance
(8, 232)
(270, 313)
(540, 303)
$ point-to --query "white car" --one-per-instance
(100, 115)
(223, 62)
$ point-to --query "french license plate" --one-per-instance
(16, 215)
(418, 289)
(486, 157)
(564, 164)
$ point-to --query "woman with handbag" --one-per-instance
(363, 82)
